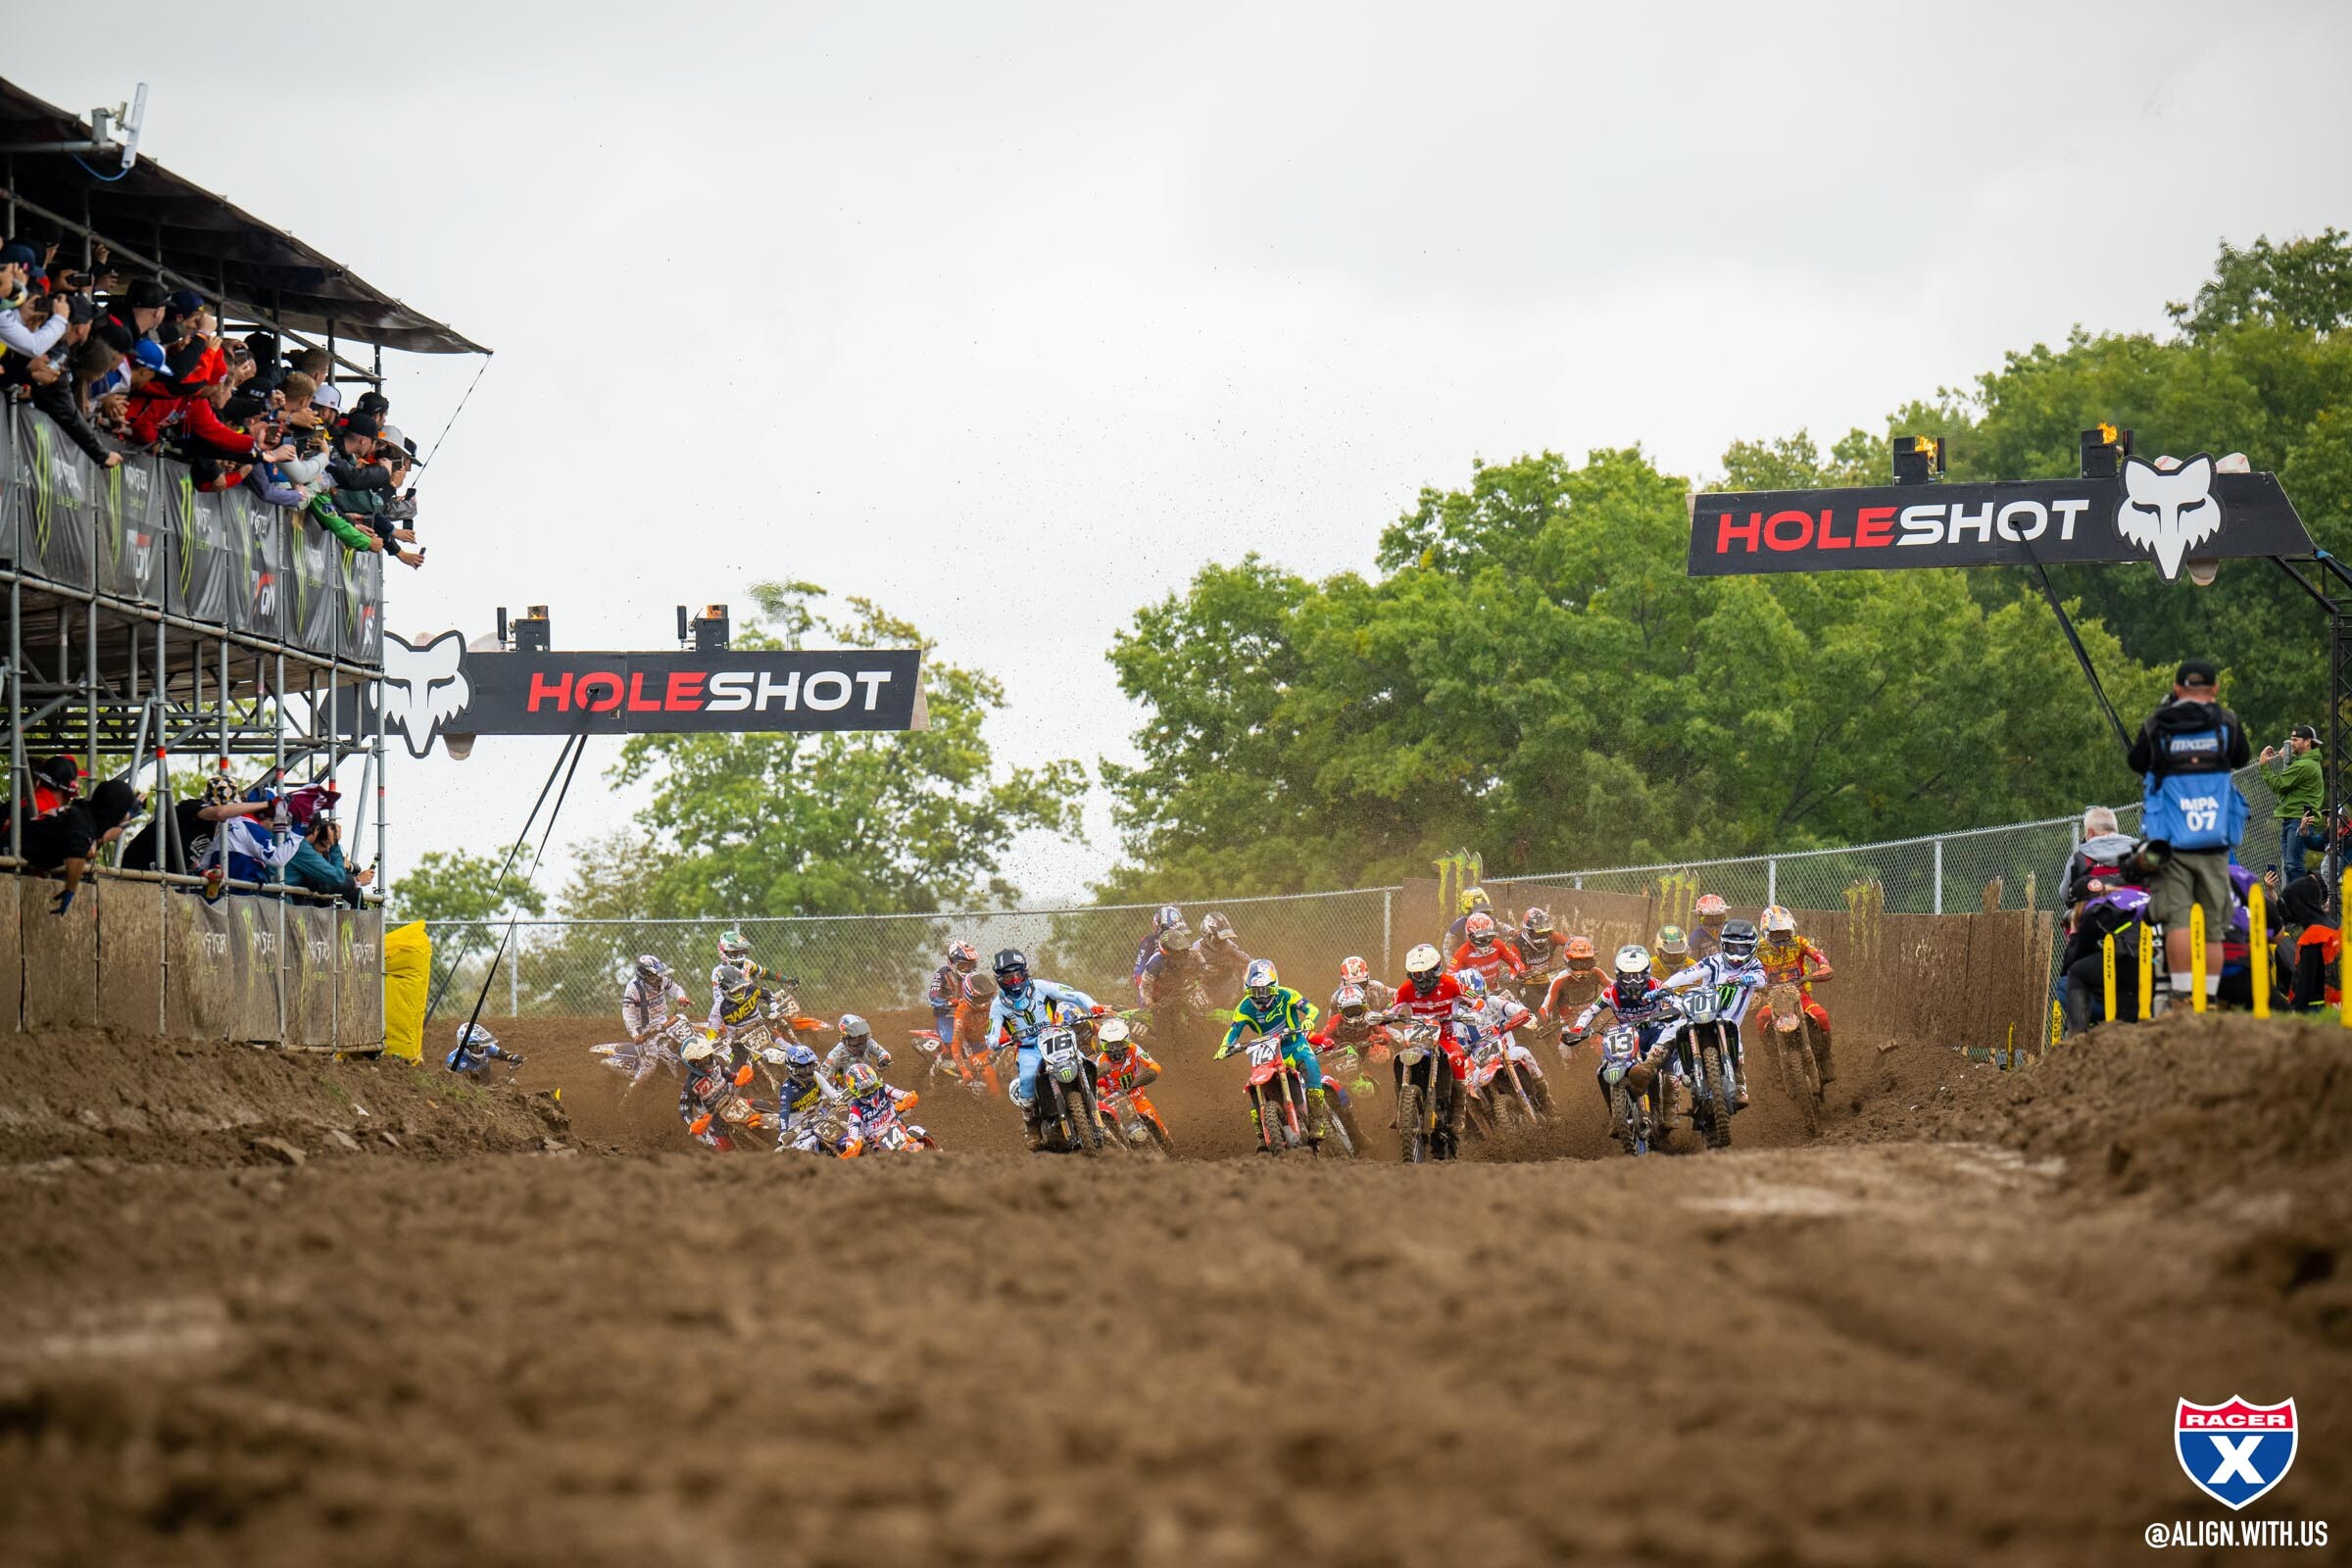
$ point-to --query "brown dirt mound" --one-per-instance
(92, 1094)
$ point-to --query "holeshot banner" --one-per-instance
(439, 686)
(2174, 515)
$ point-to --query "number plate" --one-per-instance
(1265, 1053)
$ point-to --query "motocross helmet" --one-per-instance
(1114, 1035)
(1012, 970)
(1215, 926)
(1260, 980)
(1536, 922)
(1476, 899)
(1633, 963)
(1580, 953)
(652, 968)
(854, 1032)
(1348, 1001)
(1672, 940)
(1423, 966)
(219, 791)
(1355, 972)
(1169, 918)
(859, 1080)
(1710, 910)
(1738, 941)
(798, 1060)
(1173, 939)
(962, 958)
(733, 946)
(1473, 984)
(1777, 920)
(1480, 929)
(734, 979)
(473, 1037)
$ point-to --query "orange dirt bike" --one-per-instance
(974, 1067)
(1135, 1125)
(1796, 1045)
(1277, 1093)
(731, 1114)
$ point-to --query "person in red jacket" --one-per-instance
(164, 409)
(1428, 996)
(1495, 960)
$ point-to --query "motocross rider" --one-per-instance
(1223, 964)
(709, 1080)
(801, 1093)
(1377, 997)
(1481, 951)
(1574, 986)
(948, 984)
(1352, 1026)
(1483, 1013)
(1791, 959)
(476, 1049)
(1732, 964)
(1124, 1067)
(650, 1003)
(1472, 900)
(1633, 997)
(1169, 918)
(858, 1044)
(1022, 1005)
(1426, 996)
(1706, 936)
(738, 1001)
(1273, 1009)
(1540, 945)
(868, 1104)
(1671, 954)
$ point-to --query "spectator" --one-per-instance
(2113, 903)
(57, 378)
(2319, 945)
(318, 864)
(2302, 796)
(2184, 754)
(2101, 852)
(28, 326)
(68, 839)
(193, 823)
(139, 310)
(56, 785)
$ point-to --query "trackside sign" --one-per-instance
(2188, 513)
(441, 688)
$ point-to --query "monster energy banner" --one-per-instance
(141, 531)
(439, 686)
(2172, 516)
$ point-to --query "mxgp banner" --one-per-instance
(2190, 513)
(441, 688)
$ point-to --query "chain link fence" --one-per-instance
(876, 963)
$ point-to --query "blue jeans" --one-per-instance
(2293, 842)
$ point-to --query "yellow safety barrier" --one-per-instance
(2257, 949)
(2057, 1023)
(2147, 974)
(2196, 957)
(2107, 974)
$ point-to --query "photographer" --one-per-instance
(2184, 754)
(318, 864)
(2302, 796)
(68, 839)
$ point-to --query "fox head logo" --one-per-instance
(424, 686)
(2168, 514)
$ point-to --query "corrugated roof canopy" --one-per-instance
(220, 248)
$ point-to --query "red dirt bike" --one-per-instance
(1277, 1093)
(889, 1132)
(973, 1069)
(1498, 1090)
(1135, 1125)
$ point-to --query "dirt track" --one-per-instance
(1953, 1332)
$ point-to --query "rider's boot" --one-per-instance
(1458, 1111)
(1031, 1132)
(1318, 1116)
(1822, 1060)
(1538, 1090)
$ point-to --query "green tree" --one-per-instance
(461, 885)
(837, 822)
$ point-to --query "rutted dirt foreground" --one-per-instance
(1961, 1342)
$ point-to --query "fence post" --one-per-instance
(1772, 879)
(1940, 876)
(1388, 924)
(514, 985)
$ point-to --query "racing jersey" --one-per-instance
(947, 987)
(740, 1011)
(838, 1059)
(1666, 966)
(1494, 1016)
(1118, 1075)
(1165, 971)
(646, 1009)
(1655, 1007)
(803, 1094)
(1571, 988)
(874, 1111)
(1493, 961)
(1146, 950)
(1705, 940)
(1286, 1012)
(1541, 951)
(1222, 962)
(1795, 960)
(1044, 1001)
(1716, 970)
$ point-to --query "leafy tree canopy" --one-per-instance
(460, 885)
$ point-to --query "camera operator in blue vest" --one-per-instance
(2185, 755)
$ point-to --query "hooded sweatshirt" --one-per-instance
(2100, 848)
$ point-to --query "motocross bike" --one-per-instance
(1135, 1126)
(1068, 1113)
(1500, 1084)
(888, 1132)
(1706, 1050)
(1424, 1078)
(1277, 1093)
(636, 1060)
(1795, 1043)
(974, 1068)
(1528, 995)
(1629, 1115)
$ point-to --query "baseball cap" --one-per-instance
(2196, 672)
(19, 256)
(329, 396)
(184, 302)
(149, 353)
(362, 424)
(2304, 733)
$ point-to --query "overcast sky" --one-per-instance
(1011, 317)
